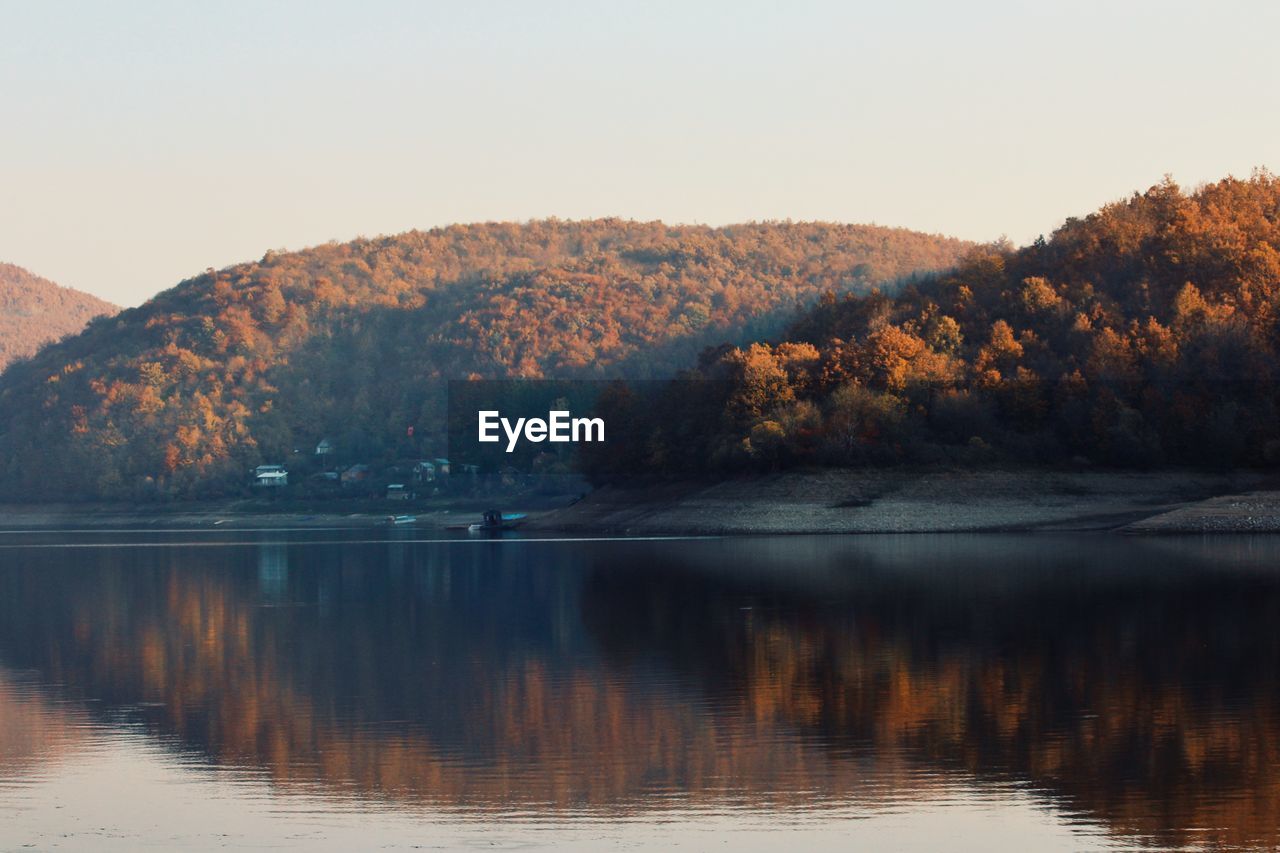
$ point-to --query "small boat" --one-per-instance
(401, 519)
(492, 522)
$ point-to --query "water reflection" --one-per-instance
(273, 570)
(34, 730)
(1130, 684)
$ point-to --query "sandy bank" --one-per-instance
(101, 517)
(826, 501)
(894, 501)
(233, 515)
(1251, 512)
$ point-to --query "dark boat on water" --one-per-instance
(492, 521)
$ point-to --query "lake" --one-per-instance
(363, 689)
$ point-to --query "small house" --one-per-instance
(270, 476)
(397, 492)
(324, 448)
(424, 472)
(355, 474)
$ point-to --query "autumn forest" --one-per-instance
(1144, 334)
(35, 311)
(354, 342)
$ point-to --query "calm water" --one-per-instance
(352, 689)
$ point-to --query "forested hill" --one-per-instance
(181, 396)
(34, 311)
(1145, 334)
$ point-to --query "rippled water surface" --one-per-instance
(357, 690)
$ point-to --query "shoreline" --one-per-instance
(829, 501)
(868, 501)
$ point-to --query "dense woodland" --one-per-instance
(35, 311)
(1145, 334)
(353, 342)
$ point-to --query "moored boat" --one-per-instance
(493, 521)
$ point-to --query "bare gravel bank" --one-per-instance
(1251, 512)
(894, 501)
(824, 501)
(237, 515)
(107, 517)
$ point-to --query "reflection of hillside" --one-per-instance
(33, 730)
(859, 672)
(1153, 707)
(402, 687)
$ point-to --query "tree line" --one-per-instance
(1145, 334)
(355, 342)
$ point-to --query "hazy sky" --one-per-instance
(141, 142)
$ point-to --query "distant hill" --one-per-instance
(34, 311)
(1144, 334)
(352, 341)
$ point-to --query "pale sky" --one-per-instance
(141, 142)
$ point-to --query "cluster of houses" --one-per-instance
(411, 476)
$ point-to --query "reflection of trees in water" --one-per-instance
(34, 730)
(465, 684)
(1152, 706)
(465, 676)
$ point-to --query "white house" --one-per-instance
(270, 476)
